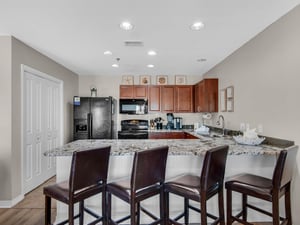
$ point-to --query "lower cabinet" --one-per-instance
(171, 135)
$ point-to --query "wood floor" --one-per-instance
(30, 211)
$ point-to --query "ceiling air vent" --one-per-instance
(133, 43)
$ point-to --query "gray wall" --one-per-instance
(265, 73)
(5, 118)
(23, 54)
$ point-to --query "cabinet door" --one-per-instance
(126, 91)
(154, 98)
(212, 95)
(167, 98)
(206, 96)
(202, 103)
(140, 91)
(184, 101)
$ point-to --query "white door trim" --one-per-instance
(25, 68)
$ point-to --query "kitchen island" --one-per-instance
(184, 156)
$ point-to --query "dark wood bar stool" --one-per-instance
(200, 188)
(88, 177)
(147, 179)
(263, 188)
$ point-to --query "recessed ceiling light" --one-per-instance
(116, 65)
(151, 52)
(126, 25)
(150, 66)
(107, 53)
(197, 25)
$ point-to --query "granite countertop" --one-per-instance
(176, 146)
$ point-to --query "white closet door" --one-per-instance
(41, 129)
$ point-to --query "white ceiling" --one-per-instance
(75, 33)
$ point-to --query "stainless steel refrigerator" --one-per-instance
(94, 118)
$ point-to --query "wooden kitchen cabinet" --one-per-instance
(171, 98)
(134, 91)
(154, 93)
(206, 95)
(184, 98)
(171, 135)
(168, 98)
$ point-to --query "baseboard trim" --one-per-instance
(11, 203)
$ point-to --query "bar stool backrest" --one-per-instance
(89, 167)
(149, 167)
(213, 169)
(285, 164)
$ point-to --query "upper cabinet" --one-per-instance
(202, 97)
(206, 96)
(184, 98)
(167, 98)
(134, 91)
(154, 98)
(171, 98)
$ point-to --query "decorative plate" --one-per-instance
(247, 141)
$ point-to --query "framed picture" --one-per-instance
(161, 79)
(229, 105)
(127, 79)
(229, 99)
(229, 91)
(180, 79)
(145, 80)
(223, 100)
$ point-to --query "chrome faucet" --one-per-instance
(223, 124)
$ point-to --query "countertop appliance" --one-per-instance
(177, 123)
(94, 118)
(133, 106)
(134, 129)
(170, 119)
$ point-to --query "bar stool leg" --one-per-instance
(221, 207)
(203, 210)
(108, 208)
(138, 208)
(162, 206)
(133, 208)
(47, 210)
(229, 207)
(244, 207)
(275, 209)
(288, 212)
(104, 215)
(71, 215)
(186, 211)
(81, 212)
(166, 209)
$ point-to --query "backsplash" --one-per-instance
(187, 118)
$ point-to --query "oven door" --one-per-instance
(133, 135)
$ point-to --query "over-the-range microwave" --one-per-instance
(133, 106)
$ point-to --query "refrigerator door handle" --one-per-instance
(90, 125)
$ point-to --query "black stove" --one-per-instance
(134, 129)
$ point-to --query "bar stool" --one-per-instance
(200, 188)
(263, 188)
(88, 177)
(147, 179)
